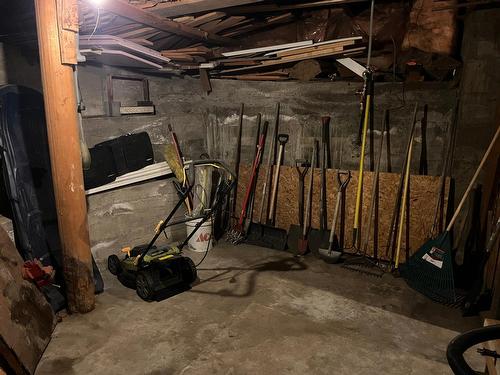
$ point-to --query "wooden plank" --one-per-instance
(290, 59)
(118, 58)
(326, 42)
(152, 35)
(255, 77)
(268, 48)
(227, 23)
(112, 30)
(268, 8)
(134, 13)
(271, 21)
(212, 16)
(111, 42)
(210, 25)
(142, 42)
(137, 33)
(67, 14)
(147, 173)
(313, 48)
(185, 7)
(205, 81)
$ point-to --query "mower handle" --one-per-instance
(202, 162)
(466, 340)
(282, 139)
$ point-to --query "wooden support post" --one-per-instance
(55, 46)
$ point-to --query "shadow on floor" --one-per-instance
(280, 265)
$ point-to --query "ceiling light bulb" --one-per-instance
(96, 2)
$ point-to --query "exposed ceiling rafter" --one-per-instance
(126, 10)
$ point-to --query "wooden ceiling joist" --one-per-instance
(126, 10)
(185, 7)
(268, 8)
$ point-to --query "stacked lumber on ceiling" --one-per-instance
(215, 23)
(125, 33)
(263, 62)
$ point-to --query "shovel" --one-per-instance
(320, 238)
(268, 235)
(303, 243)
(295, 231)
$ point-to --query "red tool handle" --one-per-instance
(252, 178)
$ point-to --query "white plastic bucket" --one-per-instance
(202, 238)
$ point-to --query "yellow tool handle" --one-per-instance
(361, 165)
(158, 226)
(403, 206)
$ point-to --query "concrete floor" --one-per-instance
(258, 311)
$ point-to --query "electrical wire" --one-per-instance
(370, 35)
(96, 23)
(208, 242)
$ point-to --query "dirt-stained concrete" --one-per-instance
(258, 311)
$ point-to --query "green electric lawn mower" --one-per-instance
(161, 272)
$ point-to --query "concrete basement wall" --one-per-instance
(479, 92)
(209, 124)
(18, 67)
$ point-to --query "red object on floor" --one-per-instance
(35, 271)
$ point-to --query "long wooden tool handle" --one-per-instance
(359, 190)
(238, 156)
(275, 185)
(473, 181)
(252, 179)
(334, 219)
(301, 199)
(307, 219)
(395, 212)
(374, 186)
(283, 138)
(267, 180)
(248, 190)
(403, 205)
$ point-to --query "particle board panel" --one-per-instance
(423, 198)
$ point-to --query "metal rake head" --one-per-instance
(364, 265)
(235, 236)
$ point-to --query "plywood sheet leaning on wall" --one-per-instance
(423, 198)
(26, 318)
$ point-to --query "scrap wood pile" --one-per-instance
(184, 37)
(265, 62)
(146, 25)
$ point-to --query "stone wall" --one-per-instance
(480, 95)
(209, 124)
(20, 67)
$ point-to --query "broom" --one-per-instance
(430, 269)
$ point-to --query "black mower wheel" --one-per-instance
(189, 271)
(114, 265)
(143, 286)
